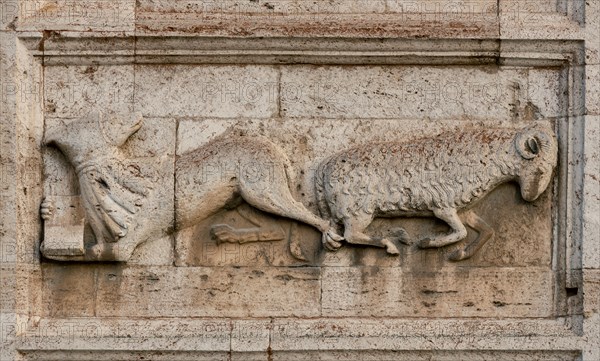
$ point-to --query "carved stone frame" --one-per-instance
(569, 332)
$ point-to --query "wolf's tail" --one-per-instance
(320, 190)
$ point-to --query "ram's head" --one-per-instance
(537, 149)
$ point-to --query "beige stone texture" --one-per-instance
(207, 292)
(593, 89)
(225, 92)
(591, 227)
(408, 93)
(94, 15)
(141, 96)
(458, 292)
(75, 91)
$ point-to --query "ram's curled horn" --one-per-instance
(531, 142)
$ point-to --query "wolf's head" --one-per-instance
(94, 136)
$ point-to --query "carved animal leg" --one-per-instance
(458, 233)
(282, 203)
(354, 233)
(485, 233)
(260, 233)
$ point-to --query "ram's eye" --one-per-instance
(533, 145)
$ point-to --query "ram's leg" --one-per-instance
(458, 233)
(485, 233)
(354, 233)
(261, 233)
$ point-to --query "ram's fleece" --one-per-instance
(435, 176)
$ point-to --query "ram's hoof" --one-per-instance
(457, 255)
(390, 247)
(425, 243)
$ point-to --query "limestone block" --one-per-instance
(592, 28)
(122, 338)
(126, 355)
(207, 292)
(464, 12)
(155, 252)
(8, 287)
(545, 100)
(539, 20)
(206, 91)
(404, 92)
(301, 18)
(77, 91)
(97, 15)
(8, 334)
(592, 89)
(465, 292)
(284, 8)
(58, 283)
(251, 336)
(591, 204)
(424, 355)
(591, 292)
(329, 335)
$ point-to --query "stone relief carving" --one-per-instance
(431, 177)
(220, 175)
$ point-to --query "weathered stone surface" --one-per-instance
(97, 15)
(425, 355)
(227, 91)
(442, 292)
(77, 91)
(115, 183)
(591, 290)
(591, 187)
(58, 298)
(593, 89)
(592, 43)
(7, 291)
(540, 19)
(342, 18)
(208, 292)
(410, 93)
(286, 7)
(310, 80)
(545, 99)
(355, 334)
(523, 235)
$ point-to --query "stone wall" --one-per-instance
(161, 165)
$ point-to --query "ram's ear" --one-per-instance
(119, 127)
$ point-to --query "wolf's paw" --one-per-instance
(224, 233)
(332, 241)
(47, 209)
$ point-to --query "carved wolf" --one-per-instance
(122, 208)
(432, 177)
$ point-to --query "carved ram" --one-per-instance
(437, 177)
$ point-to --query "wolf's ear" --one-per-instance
(119, 127)
(52, 135)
